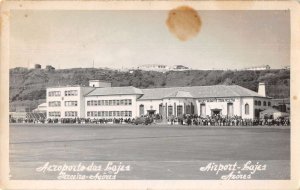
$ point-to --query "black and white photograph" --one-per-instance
(182, 93)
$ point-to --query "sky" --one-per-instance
(126, 39)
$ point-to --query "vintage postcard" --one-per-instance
(149, 95)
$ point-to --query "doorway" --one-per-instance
(215, 112)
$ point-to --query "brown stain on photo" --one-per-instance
(184, 22)
(295, 97)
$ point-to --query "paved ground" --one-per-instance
(158, 152)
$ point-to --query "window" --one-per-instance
(71, 114)
(259, 103)
(54, 93)
(54, 104)
(230, 109)
(170, 110)
(269, 103)
(160, 111)
(88, 103)
(247, 109)
(265, 103)
(179, 110)
(112, 102)
(95, 103)
(141, 109)
(71, 93)
(188, 109)
(105, 114)
(255, 102)
(70, 103)
(92, 113)
(202, 110)
(54, 114)
(256, 113)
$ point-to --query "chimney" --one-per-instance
(262, 89)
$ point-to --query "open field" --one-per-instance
(158, 152)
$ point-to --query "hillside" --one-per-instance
(29, 85)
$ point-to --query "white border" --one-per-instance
(293, 6)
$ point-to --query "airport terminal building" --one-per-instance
(100, 100)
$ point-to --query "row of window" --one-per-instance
(54, 104)
(258, 103)
(109, 102)
(71, 103)
(54, 114)
(71, 93)
(71, 114)
(109, 113)
(54, 93)
(67, 114)
(58, 103)
(67, 93)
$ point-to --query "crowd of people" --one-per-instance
(219, 120)
(214, 120)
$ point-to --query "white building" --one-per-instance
(100, 100)
(163, 68)
(179, 68)
(258, 68)
(154, 67)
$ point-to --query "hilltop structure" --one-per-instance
(162, 68)
(258, 68)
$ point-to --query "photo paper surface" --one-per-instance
(149, 94)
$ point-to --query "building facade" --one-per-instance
(100, 100)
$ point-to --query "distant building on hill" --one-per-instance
(162, 68)
(258, 68)
(37, 66)
(154, 67)
(50, 68)
(180, 68)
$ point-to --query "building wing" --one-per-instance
(198, 92)
(115, 91)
